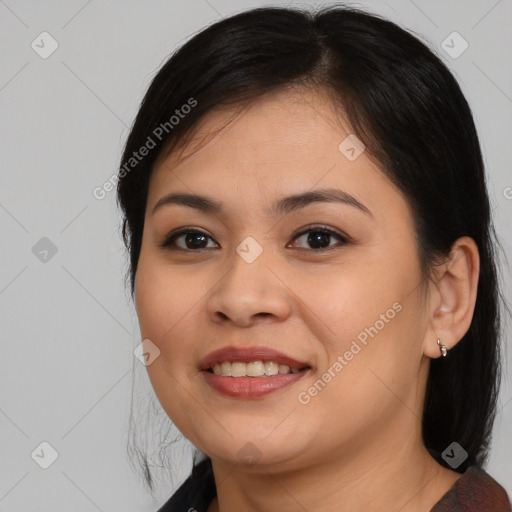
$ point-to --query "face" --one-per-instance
(327, 285)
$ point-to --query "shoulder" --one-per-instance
(196, 493)
(475, 490)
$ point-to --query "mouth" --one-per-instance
(251, 372)
(237, 369)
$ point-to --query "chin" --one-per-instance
(254, 453)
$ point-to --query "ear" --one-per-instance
(453, 297)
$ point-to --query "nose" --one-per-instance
(249, 293)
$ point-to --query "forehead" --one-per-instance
(289, 116)
(284, 142)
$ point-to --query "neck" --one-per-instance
(384, 475)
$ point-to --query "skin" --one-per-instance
(357, 444)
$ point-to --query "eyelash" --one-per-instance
(169, 242)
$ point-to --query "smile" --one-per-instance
(251, 372)
(252, 369)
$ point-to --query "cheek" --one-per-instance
(165, 307)
(354, 304)
(162, 298)
(375, 347)
(369, 376)
(166, 304)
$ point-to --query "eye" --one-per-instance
(318, 237)
(187, 240)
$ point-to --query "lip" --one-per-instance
(251, 387)
(248, 388)
(248, 355)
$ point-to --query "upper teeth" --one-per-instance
(253, 369)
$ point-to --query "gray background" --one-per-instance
(68, 325)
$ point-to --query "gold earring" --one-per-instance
(442, 348)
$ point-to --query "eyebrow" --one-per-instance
(280, 207)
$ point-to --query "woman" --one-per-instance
(312, 262)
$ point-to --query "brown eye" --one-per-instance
(190, 240)
(315, 238)
(320, 238)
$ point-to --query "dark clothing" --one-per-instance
(474, 491)
(196, 493)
